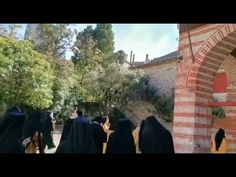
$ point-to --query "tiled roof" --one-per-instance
(166, 58)
(170, 56)
(137, 63)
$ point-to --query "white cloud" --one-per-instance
(155, 40)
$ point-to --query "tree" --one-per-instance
(141, 90)
(53, 40)
(109, 86)
(26, 76)
(11, 30)
(118, 57)
(105, 37)
(63, 83)
(87, 56)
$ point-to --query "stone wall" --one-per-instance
(162, 77)
(139, 110)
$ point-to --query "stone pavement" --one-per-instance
(56, 139)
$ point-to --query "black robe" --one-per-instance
(220, 135)
(154, 137)
(79, 140)
(32, 125)
(10, 134)
(47, 128)
(121, 141)
(66, 129)
(99, 136)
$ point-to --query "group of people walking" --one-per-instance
(82, 136)
(31, 134)
(21, 133)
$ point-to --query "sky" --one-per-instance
(153, 39)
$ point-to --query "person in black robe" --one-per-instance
(11, 131)
(154, 137)
(80, 138)
(99, 134)
(33, 125)
(121, 140)
(220, 135)
(67, 125)
(47, 128)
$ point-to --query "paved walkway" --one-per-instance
(56, 139)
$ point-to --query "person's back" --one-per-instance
(79, 140)
(154, 137)
(99, 134)
(68, 123)
(149, 142)
(47, 128)
(121, 140)
(219, 142)
(66, 129)
(11, 131)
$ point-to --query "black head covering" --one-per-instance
(32, 125)
(11, 131)
(66, 129)
(47, 128)
(154, 137)
(99, 135)
(47, 125)
(79, 139)
(220, 135)
(98, 119)
(104, 119)
(121, 140)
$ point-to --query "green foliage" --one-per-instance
(218, 112)
(26, 76)
(87, 56)
(142, 90)
(3, 108)
(10, 30)
(118, 57)
(64, 82)
(53, 39)
(109, 86)
(165, 107)
(97, 45)
(103, 80)
(105, 37)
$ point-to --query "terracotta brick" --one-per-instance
(192, 118)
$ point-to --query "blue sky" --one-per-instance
(153, 39)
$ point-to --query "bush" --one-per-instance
(218, 113)
(142, 90)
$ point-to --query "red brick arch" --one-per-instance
(209, 57)
(195, 83)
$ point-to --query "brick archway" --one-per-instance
(210, 56)
(194, 84)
